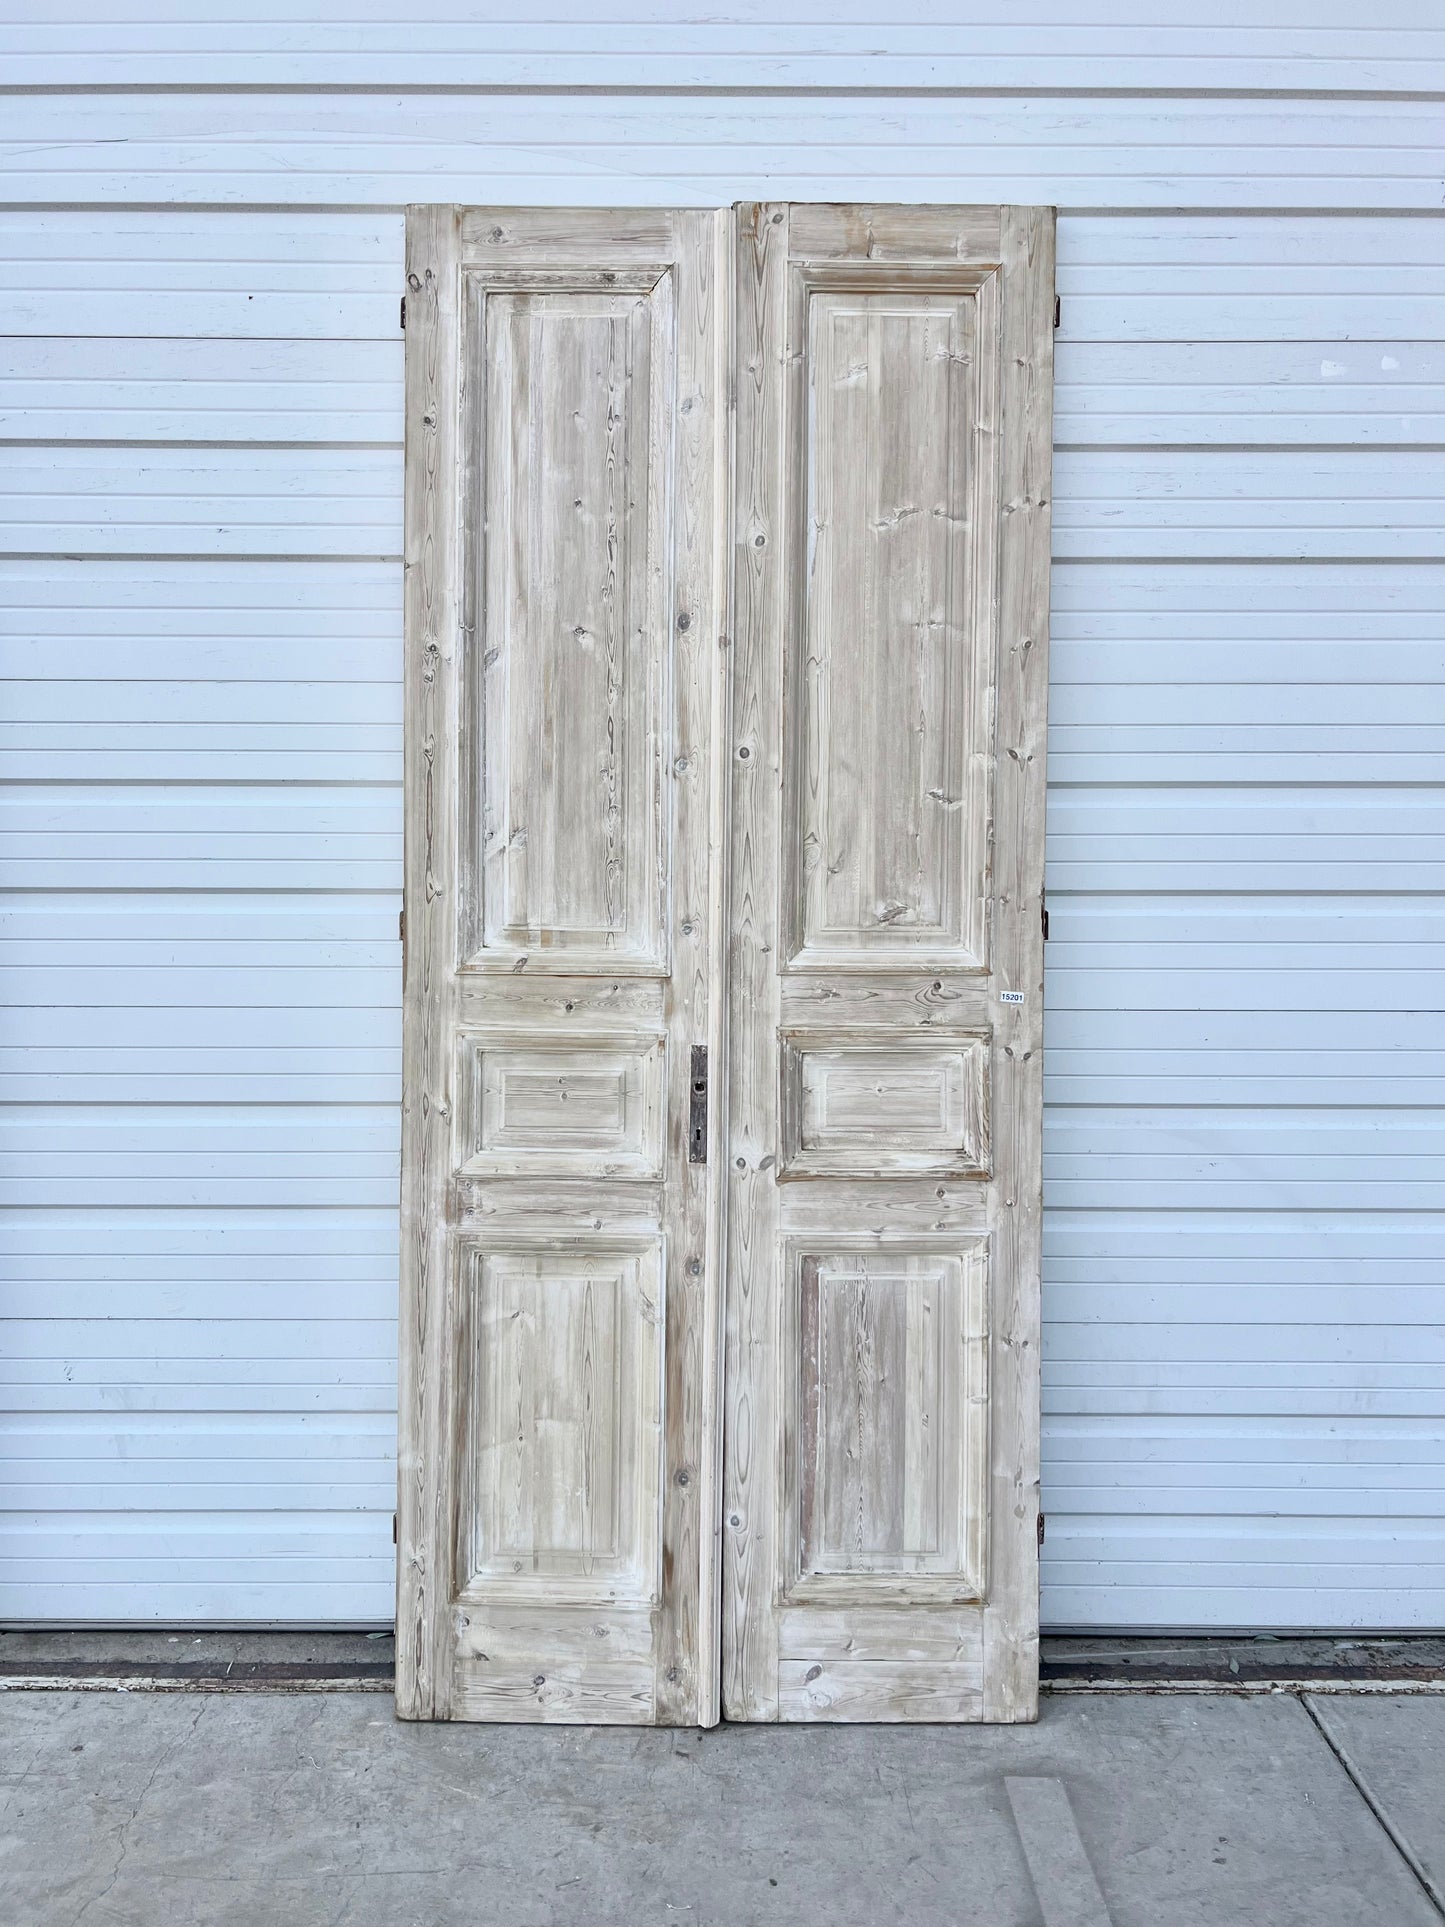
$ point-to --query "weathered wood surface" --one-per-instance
(558, 1519)
(426, 1419)
(568, 915)
(852, 1106)
(893, 372)
(1011, 1623)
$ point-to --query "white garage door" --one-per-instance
(201, 627)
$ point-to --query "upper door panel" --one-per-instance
(888, 513)
(569, 480)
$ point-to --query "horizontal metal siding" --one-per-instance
(1127, 503)
(1231, 44)
(200, 618)
(392, 149)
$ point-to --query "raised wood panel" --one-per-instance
(885, 1469)
(555, 1106)
(567, 581)
(563, 1390)
(874, 1107)
(887, 818)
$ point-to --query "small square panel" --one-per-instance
(884, 1106)
(579, 1108)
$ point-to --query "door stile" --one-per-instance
(688, 1669)
(426, 1500)
(1011, 1625)
(752, 1495)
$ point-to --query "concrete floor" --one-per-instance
(317, 1809)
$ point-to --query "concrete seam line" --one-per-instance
(1244, 1688)
(1357, 1779)
(1064, 1883)
(214, 1683)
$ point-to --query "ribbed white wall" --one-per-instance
(200, 390)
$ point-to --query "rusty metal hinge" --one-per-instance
(1044, 913)
(697, 1107)
(402, 322)
(401, 926)
(1041, 1528)
(394, 1539)
(1058, 310)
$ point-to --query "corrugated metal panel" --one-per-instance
(1326, 504)
(1285, 44)
(197, 941)
(377, 149)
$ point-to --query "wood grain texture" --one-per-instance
(885, 1357)
(539, 1104)
(750, 1457)
(851, 1107)
(882, 1326)
(571, 1555)
(562, 1458)
(891, 1690)
(1010, 1658)
(884, 846)
(570, 484)
(425, 1460)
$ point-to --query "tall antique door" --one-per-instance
(561, 1278)
(891, 521)
(727, 597)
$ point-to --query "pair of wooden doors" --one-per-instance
(727, 543)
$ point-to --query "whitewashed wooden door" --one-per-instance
(565, 518)
(771, 804)
(889, 677)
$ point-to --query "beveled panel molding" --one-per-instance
(578, 1106)
(883, 1106)
(890, 614)
(567, 487)
(562, 1430)
(886, 1420)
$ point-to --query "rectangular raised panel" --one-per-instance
(588, 1108)
(889, 1106)
(565, 520)
(563, 1459)
(887, 809)
(889, 1424)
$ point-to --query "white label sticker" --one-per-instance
(1010, 996)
